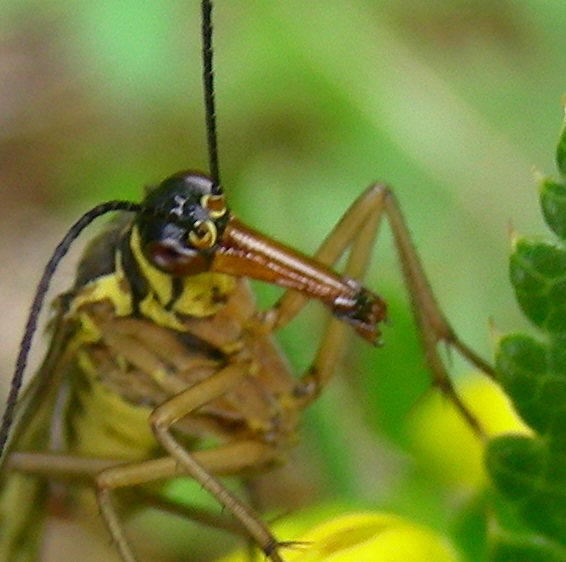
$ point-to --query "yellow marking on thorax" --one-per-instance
(112, 287)
(202, 294)
(108, 425)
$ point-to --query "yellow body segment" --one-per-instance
(118, 360)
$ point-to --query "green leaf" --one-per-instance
(533, 375)
(521, 365)
(561, 151)
(527, 548)
(512, 540)
(514, 462)
(532, 476)
(553, 203)
(538, 275)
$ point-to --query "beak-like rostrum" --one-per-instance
(244, 252)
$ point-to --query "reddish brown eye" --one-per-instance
(169, 259)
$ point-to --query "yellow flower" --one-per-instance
(447, 446)
(364, 537)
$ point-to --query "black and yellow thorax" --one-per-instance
(141, 336)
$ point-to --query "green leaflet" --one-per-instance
(526, 549)
(530, 472)
(553, 203)
(533, 375)
(538, 274)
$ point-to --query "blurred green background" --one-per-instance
(450, 101)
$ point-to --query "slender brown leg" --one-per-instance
(336, 333)
(84, 470)
(343, 235)
(200, 465)
(229, 459)
(226, 459)
(152, 351)
(357, 230)
(431, 322)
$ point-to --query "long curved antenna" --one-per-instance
(208, 89)
(38, 301)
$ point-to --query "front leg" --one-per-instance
(203, 466)
(172, 411)
(357, 232)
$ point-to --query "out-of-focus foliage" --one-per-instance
(449, 101)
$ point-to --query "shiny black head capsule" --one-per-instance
(181, 222)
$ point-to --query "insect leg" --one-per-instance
(344, 234)
(202, 466)
(336, 333)
(433, 327)
(84, 470)
(357, 230)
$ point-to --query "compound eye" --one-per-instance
(203, 235)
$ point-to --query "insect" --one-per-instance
(161, 366)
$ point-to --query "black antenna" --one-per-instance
(208, 87)
(75, 230)
(38, 301)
